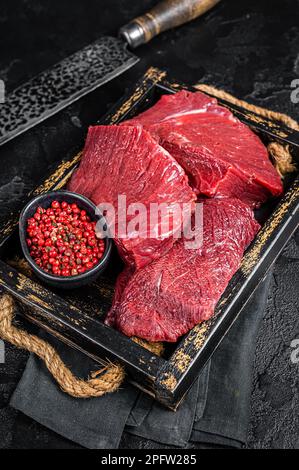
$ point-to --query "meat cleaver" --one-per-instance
(91, 67)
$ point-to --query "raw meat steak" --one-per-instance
(171, 295)
(221, 155)
(128, 161)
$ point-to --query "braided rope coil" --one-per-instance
(101, 382)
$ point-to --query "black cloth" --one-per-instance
(215, 411)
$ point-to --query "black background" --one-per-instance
(251, 49)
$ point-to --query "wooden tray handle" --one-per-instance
(166, 15)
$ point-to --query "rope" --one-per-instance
(111, 376)
(108, 379)
(282, 158)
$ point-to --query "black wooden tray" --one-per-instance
(75, 317)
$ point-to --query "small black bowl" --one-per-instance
(45, 200)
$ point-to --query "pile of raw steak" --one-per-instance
(184, 149)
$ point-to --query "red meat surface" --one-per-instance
(165, 299)
(221, 155)
(126, 160)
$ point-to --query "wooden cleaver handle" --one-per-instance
(166, 15)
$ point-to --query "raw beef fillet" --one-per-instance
(128, 161)
(221, 155)
(171, 295)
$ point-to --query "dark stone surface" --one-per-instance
(250, 48)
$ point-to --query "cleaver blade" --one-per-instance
(63, 84)
(91, 67)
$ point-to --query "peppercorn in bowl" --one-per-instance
(61, 241)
